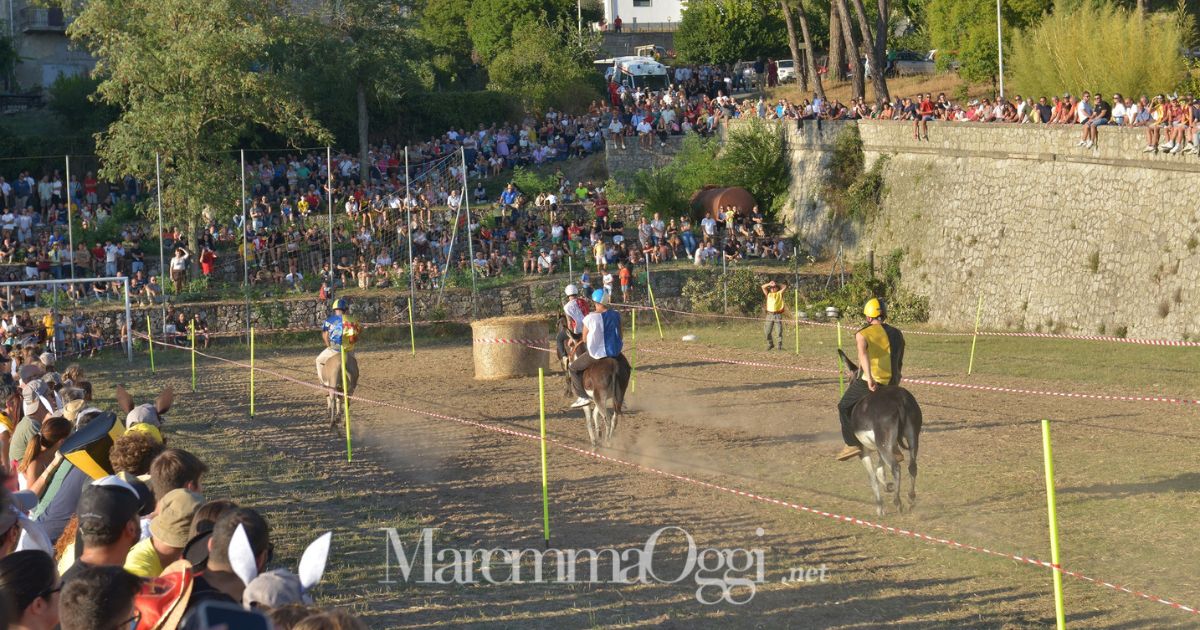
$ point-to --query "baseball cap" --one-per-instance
(34, 393)
(274, 589)
(174, 519)
(108, 503)
(143, 413)
(29, 372)
(598, 295)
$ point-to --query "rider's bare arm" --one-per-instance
(863, 361)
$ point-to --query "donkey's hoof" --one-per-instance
(891, 487)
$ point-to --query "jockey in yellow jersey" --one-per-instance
(881, 356)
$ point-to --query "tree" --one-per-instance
(794, 45)
(1105, 31)
(444, 35)
(494, 25)
(856, 65)
(966, 31)
(186, 76)
(544, 69)
(876, 45)
(726, 31)
(810, 46)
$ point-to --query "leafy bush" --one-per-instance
(862, 285)
(756, 159)
(1106, 32)
(851, 191)
(531, 182)
(71, 99)
(661, 192)
(708, 290)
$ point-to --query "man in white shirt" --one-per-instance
(616, 135)
(709, 225)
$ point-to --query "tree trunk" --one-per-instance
(1141, 8)
(364, 168)
(870, 43)
(836, 64)
(809, 60)
(852, 50)
(797, 69)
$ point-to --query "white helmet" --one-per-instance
(572, 289)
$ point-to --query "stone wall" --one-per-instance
(623, 164)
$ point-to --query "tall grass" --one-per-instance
(1101, 48)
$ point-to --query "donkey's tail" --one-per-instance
(618, 392)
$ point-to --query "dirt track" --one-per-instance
(1125, 516)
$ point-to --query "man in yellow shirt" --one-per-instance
(881, 357)
(774, 293)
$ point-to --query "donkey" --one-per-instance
(885, 419)
(333, 376)
(604, 384)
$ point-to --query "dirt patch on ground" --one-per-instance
(1127, 511)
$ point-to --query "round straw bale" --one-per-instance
(501, 346)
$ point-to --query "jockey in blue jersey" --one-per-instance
(601, 339)
(332, 331)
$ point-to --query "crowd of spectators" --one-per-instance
(1171, 122)
(104, 524)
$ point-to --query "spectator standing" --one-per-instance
(179, 268)
(774, 292)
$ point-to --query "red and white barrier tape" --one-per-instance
(934, 333)
(761, 498)
(518, 342)
(986, 388)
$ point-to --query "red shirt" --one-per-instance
(625, 276)
(89, 185)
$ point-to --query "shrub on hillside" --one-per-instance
(1090, 38)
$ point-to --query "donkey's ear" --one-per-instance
(124, 400)
(241, 556)
(312, 563)
(845, 359)
(164, 400)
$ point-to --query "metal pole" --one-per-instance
(162, 257)
(329, 202)
(70, 227)
(470, 240)
(245, 240)
(449, 253)
(1000, 47)
(128, 323)
(579, 21)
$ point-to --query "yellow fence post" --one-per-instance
(192, 334)
(654, 305)
(633, 353)
(545, 486)
(150, 342)
(251, 371)
(975, 336)
(841, 376)
(1059, 614)
(412, 333)
(346, 405)
(796, 317)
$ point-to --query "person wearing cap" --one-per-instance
(37, 406)
(601, 339)
(108, 523)
(575, 308)
(168, 534)
(333, 330)
(881, 355)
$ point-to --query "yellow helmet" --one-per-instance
(874, 308)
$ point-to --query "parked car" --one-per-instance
(787, 70)
(908, 62)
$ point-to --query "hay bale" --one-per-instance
(501, 346)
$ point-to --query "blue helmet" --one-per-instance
(598, 295)
(340, 304)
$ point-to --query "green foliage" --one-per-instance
(1106, 32)
(863, 285)
(449, 46)
(543, 69)
(708, 290)
(965, 31)
(852, 192)
(9, 58)
(497, 26)
(726, 31)
(755, 158)
(182, 72)
(72, 99)
(531, 182)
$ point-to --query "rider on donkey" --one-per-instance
(881, 355)
(601, 339)
(576, 308)
(337, 330)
